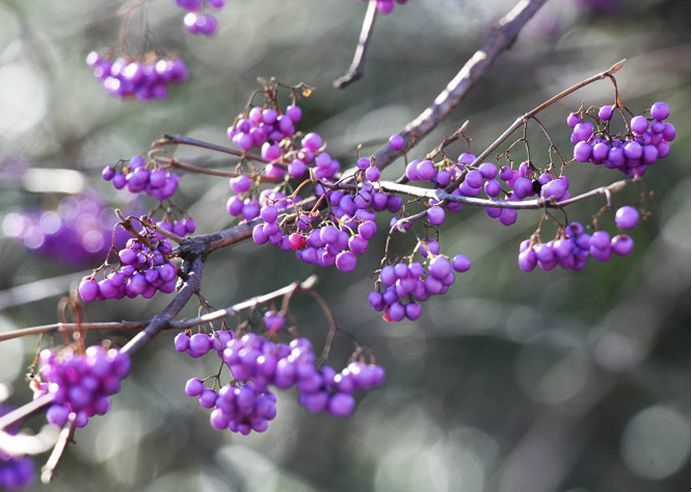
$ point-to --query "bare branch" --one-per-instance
(357, 69)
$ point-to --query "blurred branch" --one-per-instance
(40, 289)
(357, 69)
(304, 286)
(66, 434)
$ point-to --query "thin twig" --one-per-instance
(193, 142)
(357, 69)
(192, 168)
(304, 286)
(66, 434)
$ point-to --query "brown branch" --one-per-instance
(192, 168)
(162, 320)
(357, 69)
(500, 39)
(193, 142)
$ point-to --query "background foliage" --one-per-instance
(511, 382)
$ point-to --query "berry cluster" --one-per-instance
(77, 232)
(387, 6)
(487, 179)
(646, 141)
(181, 226)
(145, 267)
(143, 78)
(401, 287)
(197, 21)
(338, 237)
(257, 363)
(573, 246)
(16, 472)
(139, 175)
(79, 382)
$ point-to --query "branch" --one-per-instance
(525, 117)
(26, 410)
(66, 434)
(70, 327)
(38, 290)
(500, 39)
(162, 320)
(537, 203)
(193, 168)
(193, 142)
(357, 69)
(304, 286)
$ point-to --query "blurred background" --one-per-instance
(548, 381)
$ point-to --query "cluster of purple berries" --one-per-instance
(138, 176)
(574, 247)
(79, 382)
(16, 472)
(487, 179)
(646, 141)
(197, 21)
(144, 79)
(256, 364)
(145, 268)
(338, 237)
(77, 232)
(401, 287)
(182, 226)
(386, 6)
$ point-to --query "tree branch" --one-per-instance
(537, 203)
(357, 69)
(525, 117)
(500, 39)
(162, 320)
(66, 434)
